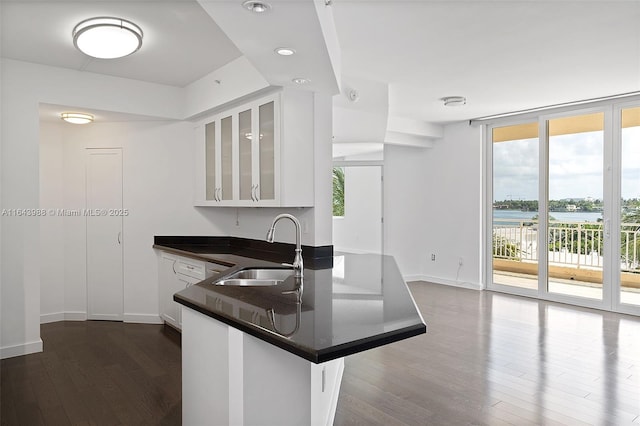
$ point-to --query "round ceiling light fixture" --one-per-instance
(285, 51)
(256, 6)
(300, 80)
(452, 101)
(107, 37)
(76, 117)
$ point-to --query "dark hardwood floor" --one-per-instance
(95, 373)
(487, 359)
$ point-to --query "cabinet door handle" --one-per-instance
(173, 266)
(218, 197)
(119, 235)
(253, 188)
(257, 197)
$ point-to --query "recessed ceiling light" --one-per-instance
(285, 51)
(300, 80)
(454, 101)
(107, 38)
(76, 117)
(257, 6)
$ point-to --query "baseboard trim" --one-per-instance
(19, 350)
(443, 281)
(53, 317)
(82, 316)
(75, 316)
(143, 319)
(62, 316)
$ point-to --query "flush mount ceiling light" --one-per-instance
(454, 101)
(285, 51)
(76, 117)
(300, 80)
(107, 38)
(256, 6)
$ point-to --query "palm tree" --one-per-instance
(338, 191)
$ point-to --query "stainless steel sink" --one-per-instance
(257, 277)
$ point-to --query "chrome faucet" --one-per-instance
(297, 261)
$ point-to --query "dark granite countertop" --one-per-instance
(228, 249)
(358, 303)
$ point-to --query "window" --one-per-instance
(338, 191)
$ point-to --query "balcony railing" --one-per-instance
(573, 244)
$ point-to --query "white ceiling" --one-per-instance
(181, 42)
(501, 55)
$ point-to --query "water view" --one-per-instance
(518, 215)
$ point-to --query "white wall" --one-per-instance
(24, 86)
(433, 206)
(157, 158)
(155, 165)
(360, 229)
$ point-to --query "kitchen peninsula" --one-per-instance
(264, 355)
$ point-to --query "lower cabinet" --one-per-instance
(176, 273)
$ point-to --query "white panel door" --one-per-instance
(104, 234)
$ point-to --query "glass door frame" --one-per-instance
(607, 170)
(616, 220)
(612, 169)
(488, 211)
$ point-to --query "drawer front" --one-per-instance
(193, 269)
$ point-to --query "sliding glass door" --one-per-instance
(575, 205)
(515, 206)
(565, 207)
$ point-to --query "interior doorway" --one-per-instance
(358, 217)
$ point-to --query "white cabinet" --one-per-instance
(258, 154)
(177, 273)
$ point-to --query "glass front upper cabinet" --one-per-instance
(259, 153)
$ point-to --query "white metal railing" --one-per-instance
(576, 244)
